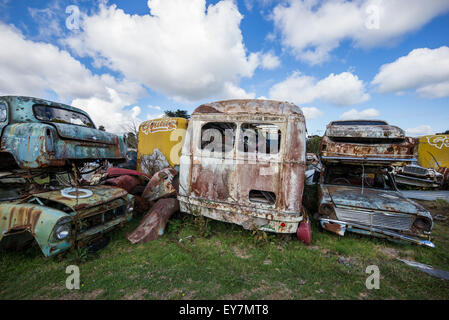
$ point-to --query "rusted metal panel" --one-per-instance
(366, 141)
(153, 223)
(259, 188)
(161, 185)
(84, 219)
(374, 209)
(35, 143)
(125, 182)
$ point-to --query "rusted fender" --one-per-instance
(125, 182)
(153, 223)
(161, 185)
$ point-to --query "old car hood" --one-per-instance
(372, 199)
(70, 131)
(366, 132)
(100, 195)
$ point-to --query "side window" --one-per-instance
(218, 136)
(260, 138)
(3, 112)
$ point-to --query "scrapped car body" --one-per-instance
(61, 219)
(366, 140)
(37, 133)
(357, 190)
(415, 175)
(367, 201)
(243, 162)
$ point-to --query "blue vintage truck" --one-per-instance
(37, 133)
(41, 141)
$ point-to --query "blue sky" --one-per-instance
(125, 61)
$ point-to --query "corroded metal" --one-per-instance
(162, 184)
(219, 185)
(32, 143)
(153, 223)
(367, 142)
(87, 218)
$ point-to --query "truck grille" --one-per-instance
(415, 170)
(395, 221)
(99, 219)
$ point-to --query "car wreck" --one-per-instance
(357, 191)
(43, 198)
(243, 162)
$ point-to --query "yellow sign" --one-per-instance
(159, 144)
(433, 151)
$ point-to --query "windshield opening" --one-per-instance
(359, 176)
(59, 115)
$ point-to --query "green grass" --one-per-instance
(224, 261)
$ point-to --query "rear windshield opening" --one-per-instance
(260, 138)
(218, 136)
(368, 177)
(59, 115)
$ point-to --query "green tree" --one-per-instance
(313, 144)
(178, 113)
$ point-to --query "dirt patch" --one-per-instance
(94, 294)
(138, 295)
(241, 253)
(392, 253)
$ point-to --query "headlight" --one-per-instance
(62, 231)
(130, 207)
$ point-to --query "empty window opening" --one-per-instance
(260, 196)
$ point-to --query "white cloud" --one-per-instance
(424, 70)
(42, 70)
(181, 49)
(340, 89)
(311, 113)
(154, 107)
(354, 114)
(270, 61)
(422, 130)
(312, 28)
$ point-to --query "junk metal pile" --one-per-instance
(65, 184)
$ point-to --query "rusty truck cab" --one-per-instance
(243, 162)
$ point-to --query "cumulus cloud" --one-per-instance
(340, 89)
(312, 28)
(269, 61)
(424, 70)
(40, 69)
(422, 130)
(354, 114)
(311, 113)
(181, 48)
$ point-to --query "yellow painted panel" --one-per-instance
(433, 151)
(160, 142)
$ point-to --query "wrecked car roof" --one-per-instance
(101, 194)
(364, 130)
(23, 106)
(373, 199)
(249, 106)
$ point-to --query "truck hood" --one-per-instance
(70, 131)
(100, 195)
(373, 199)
